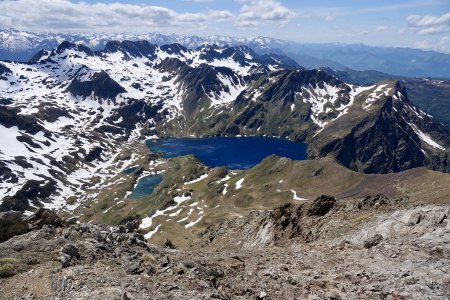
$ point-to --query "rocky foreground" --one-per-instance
(372, 248)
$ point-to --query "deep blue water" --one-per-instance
(145, 186)
(232, 152)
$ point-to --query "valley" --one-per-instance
(193, 194)
(77, 117)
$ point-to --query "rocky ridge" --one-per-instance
(368, 248)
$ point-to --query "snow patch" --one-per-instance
(197, 179)
(426, 138)
(151, 233)
(193, 223)
(239, 183)
(224, 192)
(297, 197)
(147, 222)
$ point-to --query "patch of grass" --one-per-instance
(149, 259)
(7, 267)
(7, 260)
(7, 271)
(244, 201)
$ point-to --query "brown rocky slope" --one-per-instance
(371, 248)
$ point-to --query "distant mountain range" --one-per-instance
(21, 46)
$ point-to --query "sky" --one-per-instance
(421, 24)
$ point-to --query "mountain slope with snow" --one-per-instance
(68, 115)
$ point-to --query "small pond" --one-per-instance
(145, 186)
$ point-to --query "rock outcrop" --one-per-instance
(44, 217)
(99, 85)
(11, 224)
(14, 223)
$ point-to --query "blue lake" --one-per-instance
(236, 153)
(145, 186)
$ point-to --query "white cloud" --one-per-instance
(253, 12)
(441, 45)
(67, 16)
(330, 18)
(382, 28)
(429, 24)
(402, 30)
(328, 14)
(63, 15)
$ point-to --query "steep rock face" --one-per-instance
(99, 85)
(202, 85)
(34, 192)
(432, 96)
(42, 54)
(127, 116)
(379, 145)
(131, 49)
(439, 162)
(11, 224)
(4, 70)
(10, 117)
(386, 135)
(289, 103)
(174, 49)
(79, 48)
